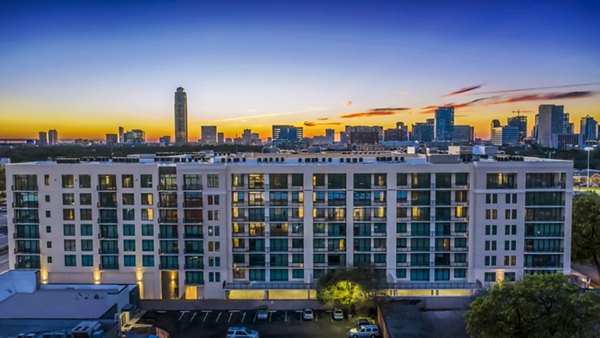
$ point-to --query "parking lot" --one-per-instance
(288, 324)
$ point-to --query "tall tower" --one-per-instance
(181, 127)
(444, 124)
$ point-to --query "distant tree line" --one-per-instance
(28, 154)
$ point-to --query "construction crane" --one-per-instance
(518, 112)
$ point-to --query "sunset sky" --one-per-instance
(86, 69)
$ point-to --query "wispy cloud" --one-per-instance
(347, 103)
(315, 124)
(499, 99)
(258, 116)
(463, 90)
(367, 114)
(383, 111)
(550, 96)
(323, 118)
(536, 88)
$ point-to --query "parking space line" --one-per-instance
(255, 316)
(285, 319)
(205, 315)
(193, 316)
(316, 317)
(230, 314)
(182, 314)
(219, 316)
(243, 316)
(270, 315)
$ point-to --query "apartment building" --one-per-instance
(268, 226)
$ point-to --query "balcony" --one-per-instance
(111, 220)
(168, 266)
(240, 250)
(459, 264)
(167, 220)
(192, 251)
(106, 187)
(402, 264)
(167, 187)
(462, 248)
(109, 266)
(172, 251)
(105, 235)
(375, 249)
(171, 235)
(194, 235)
(25, 205)
(108, 251)
(171, 205)
(26, 220)
(26, 250)
(22, 235)
(270, 286)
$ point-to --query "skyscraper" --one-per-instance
(52, 137)
(423, 131)
(42, 139)
(181, 126)
(519, 121)
(121, 135)
(209, 135)
(283, 134)
(588, 128)
(550, 120)
(444, 124)
(330, 135)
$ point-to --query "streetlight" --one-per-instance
(588, 149)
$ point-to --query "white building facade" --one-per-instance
(268, 226)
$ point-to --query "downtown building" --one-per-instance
(268, 226)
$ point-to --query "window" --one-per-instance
(212, 181)
(70, 260)
(129, 260)
(85, 214)
(491, 214)
(491, 198)
(69, 229)
(213, 199)
(400, 228)
(87, 245)
(501, 181)
(147, 198)
(129, 245)
(490, 276)
(460, 273)
(129, 214)
(85, 181)
(68, 181)
(192, 182)
(49, 245)
(86, 229)
(146, 182)
(147, 214)
(297, 180)
(214, 246)
(214, 277)
(419, 274)
(401, 180)
(147, 229)
(128, 229)
(147, 245)
(490, 260)
(213, 215)
(127, 181)
(147, 260)
(128, 199)
(87, 260)
(85, 199)
(510, 276)
(69, 214)
(70, 245)
(68, 199)
(362, 181)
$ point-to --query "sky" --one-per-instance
(87, 67)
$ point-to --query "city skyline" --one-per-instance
(373, 65)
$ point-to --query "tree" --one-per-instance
(536, 306)
(350, 288)
(586, 229)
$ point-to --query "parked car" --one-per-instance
(308, 314)
(363, 321)
(241, 332)
(337, 314)
(370, 331)
(262, 313)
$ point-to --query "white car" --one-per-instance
(337, 314)
(241, 332)
(370, 331)
(308, 314)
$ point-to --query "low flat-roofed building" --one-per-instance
(28, 306)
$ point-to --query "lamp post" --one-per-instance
(588, 149)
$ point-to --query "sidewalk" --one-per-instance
(192, 305)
